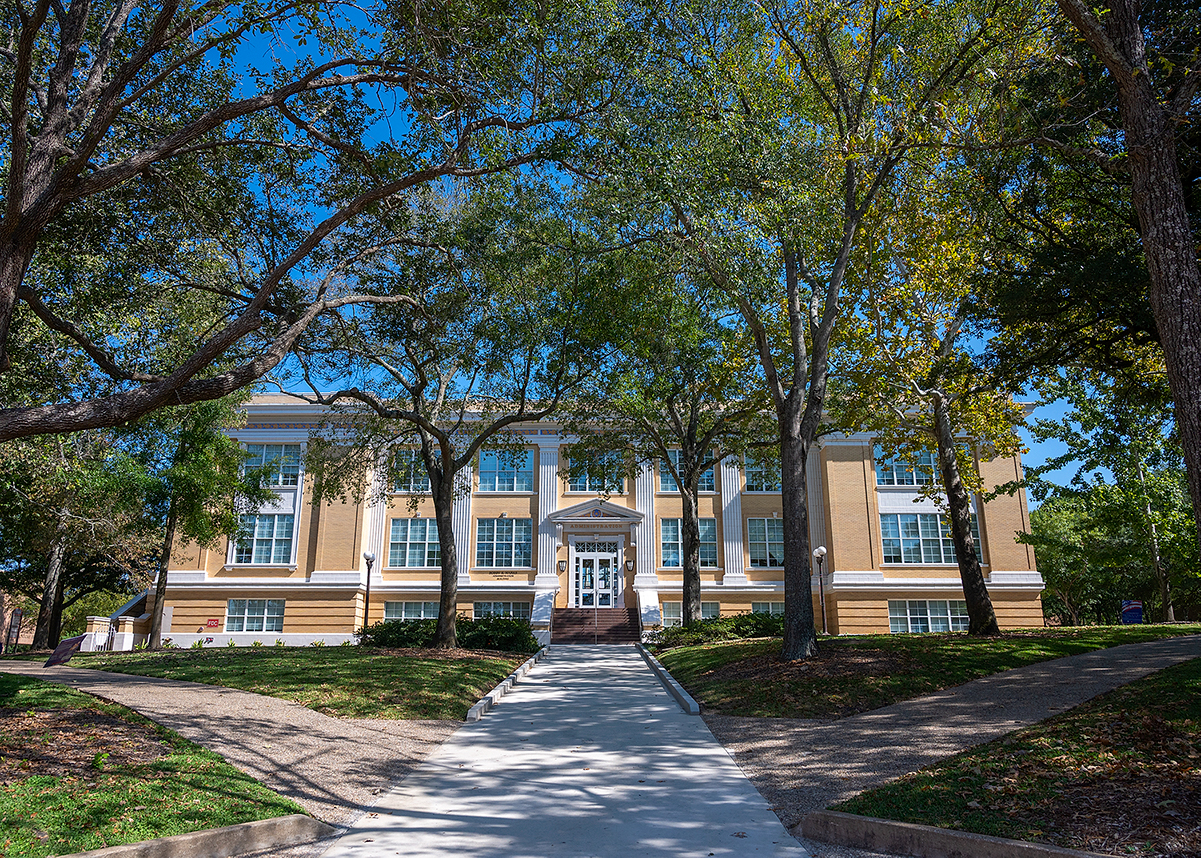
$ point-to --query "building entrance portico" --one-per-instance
(596, 573)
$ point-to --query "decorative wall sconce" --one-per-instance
(562, 565)
(629, 565)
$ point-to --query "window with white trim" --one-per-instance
(894, 471)
(269, 539)
(765, 539)
(922, 537)
(505, 471)
(504, 542)
(667, 483)
(673, 612)
(604, 475)
(762, 476)
(410, 611)
(409, 473)
(672, 540)
(280, 462)
(413, 542)
(254, 615)
(520, 610)
(773, 608)
(934, 615)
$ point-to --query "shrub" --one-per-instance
(506, 634)
(718, 629)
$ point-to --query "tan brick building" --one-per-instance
(531, 537)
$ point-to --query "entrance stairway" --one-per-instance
(586, 625)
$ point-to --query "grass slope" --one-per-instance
(1120, 774)
(347, 682)
(77, 773)
(857, 674)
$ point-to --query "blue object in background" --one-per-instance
(1132, 612)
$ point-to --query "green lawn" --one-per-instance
(1120, 774)
(77, 773)
(857, 674)
(347, 682)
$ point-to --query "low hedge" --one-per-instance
(718, 629)
(504, 634)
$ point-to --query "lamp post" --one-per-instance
(370, 558)
(819, 554)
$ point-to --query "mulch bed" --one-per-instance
(71, 743)
(835, 663)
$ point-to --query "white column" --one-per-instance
(546, 581)
(374, 522)
(731, 523)
(461, 519)
(646, 579)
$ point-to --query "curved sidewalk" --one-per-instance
(332, 767)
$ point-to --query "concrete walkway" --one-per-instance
(587, 756)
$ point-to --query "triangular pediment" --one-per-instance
(595, 509)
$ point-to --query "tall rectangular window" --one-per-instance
(766, 541)
(410, 610)
(254, 615)
(667, 483)
(603, 475)
(504, 542)
(413, 542)
(920, 537)
(894, 471)
(270, 539)
(762, 476)
(409, 473)
(502, 471)
(918, 616)
(281, 462)
(671, 531)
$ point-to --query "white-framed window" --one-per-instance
(410, 611)
(773, 608)
(762, 476)
(922, 537)
(270, 539)
(254, 615)
(673, 612)
(934, 615)
(409, 473)
(922, 471)
(667, 483)
(504, 471)
(603, 475)
(413, 542)
(765, 539)
(281, 462)
(504, 542)
(671, 531)
(520, 610)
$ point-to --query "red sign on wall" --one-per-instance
(212, 624)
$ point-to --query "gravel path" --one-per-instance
(805, 765)
(332, 767)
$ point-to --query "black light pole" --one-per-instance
(370, 558)
(819, 554)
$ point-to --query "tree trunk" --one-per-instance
(14, 262)
(690, 539)
(981, 618)
(444, 501)
(1161, 572)
(1157, 192)
(43, 637)
(154, 640)
(800, 634)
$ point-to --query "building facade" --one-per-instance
(530, 537)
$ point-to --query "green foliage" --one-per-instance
(502, 634)
(99, 604)
(714, 629)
